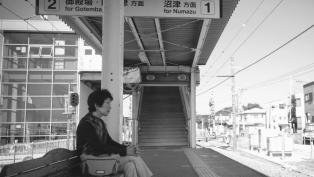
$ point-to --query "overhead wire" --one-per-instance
(260, 59)
(236, 35)
(247, 38)
(40, 15)
(297, 72)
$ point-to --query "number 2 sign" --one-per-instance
(207, 7)
(52, 5)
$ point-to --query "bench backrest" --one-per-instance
(55, 163)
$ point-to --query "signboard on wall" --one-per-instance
(133, 8)
(131, 75)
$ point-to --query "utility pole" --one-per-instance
(233, 113)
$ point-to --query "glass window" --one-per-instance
(12, 130)
(59, 129)
(12, 116)
(14, 76)
(37, 38)
(67, 64)
(40, 63)
(58, 102)
(58, 116)
(308, 97)
(65, 76)
(67, 39)
(40, 76)
(63, 89)
(46, 51)
(15, 50)
(88, 51)
(34, 51)
(13, 102)
(60, 89)
(39, 138)
(39, 89)
(38, 129)
(37, 115)
(14, 63)
(66, 51)
(13, 89)
(15, 38)
(38, 102)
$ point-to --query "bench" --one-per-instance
(55, 163)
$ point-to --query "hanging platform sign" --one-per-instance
(173, 8)
(133, 8)
(69, 7)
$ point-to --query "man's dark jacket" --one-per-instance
(93, 138)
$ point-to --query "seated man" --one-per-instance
(94, 139)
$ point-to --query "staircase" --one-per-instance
(162, 120)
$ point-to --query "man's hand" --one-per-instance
(132, 150)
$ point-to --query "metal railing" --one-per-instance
(12, 153)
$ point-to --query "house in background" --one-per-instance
(277, 115)
(251, 119)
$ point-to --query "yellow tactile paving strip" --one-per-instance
(198, 164)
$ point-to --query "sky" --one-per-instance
(256, 29)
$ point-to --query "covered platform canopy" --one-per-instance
(167, 49)
(160, 41)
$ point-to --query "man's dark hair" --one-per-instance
(97, 98)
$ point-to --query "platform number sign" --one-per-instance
(52, 5)
(207, 7)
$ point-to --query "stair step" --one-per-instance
(182, 140)
(161, 122)
(162, 136)
(162, 128)
(164, 144)
(149, 126)
(162, 133)
(162, 114)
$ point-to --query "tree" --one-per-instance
(251, 106)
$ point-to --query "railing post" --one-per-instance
(311, 144)
(14, 151)
(32, 146)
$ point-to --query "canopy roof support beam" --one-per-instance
(142, 55)
(79, 27)
(201, 40)
(161, 44)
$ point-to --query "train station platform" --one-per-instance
(299, 165)
(187, 162)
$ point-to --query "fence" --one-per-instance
(12, 153)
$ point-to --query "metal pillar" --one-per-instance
(193, 111)
(112, 62)
(233, 113)
(135, 108)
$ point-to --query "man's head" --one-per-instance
(99, 101)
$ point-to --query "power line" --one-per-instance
(259, 60)
(248, 37)
(8, 9)
(236, 35)
(278, 48)
(43, 16)
(283, 77)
